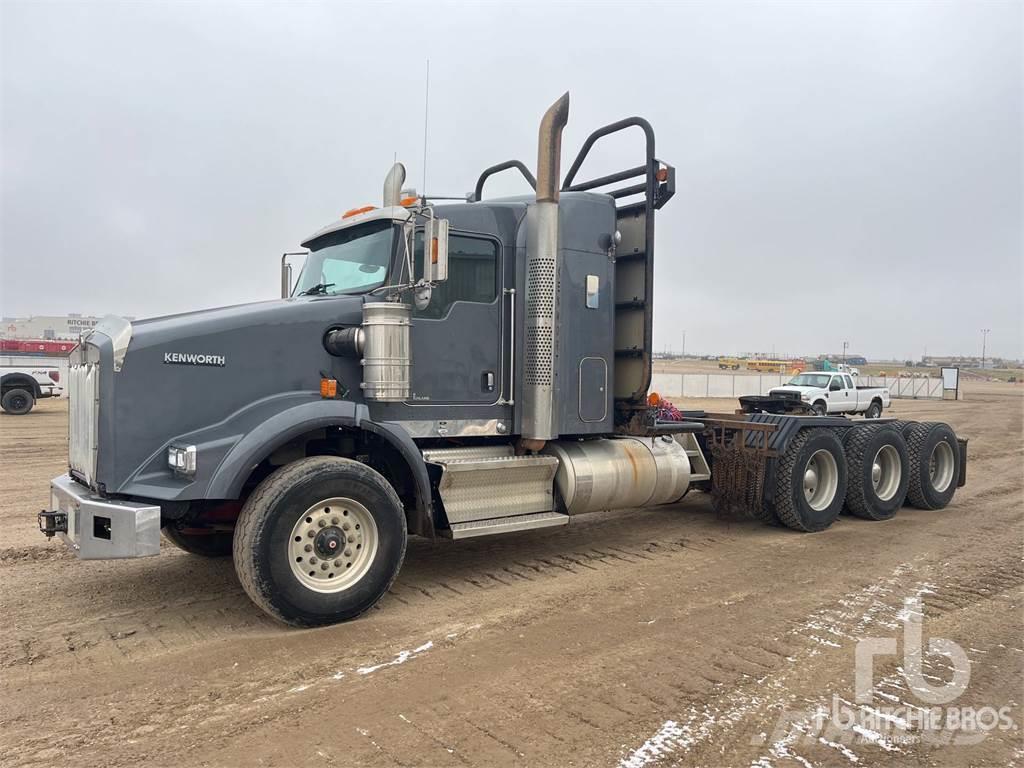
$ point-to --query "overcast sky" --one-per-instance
(846, 171)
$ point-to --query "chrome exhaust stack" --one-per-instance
(541, 339)
(393, 185)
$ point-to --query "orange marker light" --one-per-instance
(328, 388)
(405, 202)
(654, 399)
(433, 250)
(662, 174)
(357, 211)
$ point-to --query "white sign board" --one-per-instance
(950, 378)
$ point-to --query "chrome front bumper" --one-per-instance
(97, 528)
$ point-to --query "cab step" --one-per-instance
(507, 524)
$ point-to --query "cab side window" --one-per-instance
(849, 382)
(472, 274)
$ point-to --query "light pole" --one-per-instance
(845, 345)
(984, 338)
(684, 346)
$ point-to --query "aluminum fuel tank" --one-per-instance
(619, 473)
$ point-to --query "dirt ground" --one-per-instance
(652, 637)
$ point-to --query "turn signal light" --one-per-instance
(328, 388)
(654, 399)
(433, 250)
(662, 174)
(357, 211)
(405, 202)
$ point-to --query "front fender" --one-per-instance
(227, 452)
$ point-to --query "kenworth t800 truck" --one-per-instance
(446, 371)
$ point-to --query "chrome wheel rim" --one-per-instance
(332, 545)
(821, 479)
(886, 472)
(940, 466)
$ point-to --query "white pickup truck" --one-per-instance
(21, 387)
(828, 392)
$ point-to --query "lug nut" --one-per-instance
(308, 548)
(311, 534)
(348, 552)
(351, 537)
(322, 523)
(334, 521)
(345, 527)
(337, 563)
(312, 561)
(325, 566)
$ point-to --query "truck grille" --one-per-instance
(83, 413)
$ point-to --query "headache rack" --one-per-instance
(655, 181)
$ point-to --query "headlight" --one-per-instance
(182, 459)
(805, 396)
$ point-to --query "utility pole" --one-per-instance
(684, 345)
(845, 345)
(984, 338)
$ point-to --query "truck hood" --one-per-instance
(182, 373)
(793, 388)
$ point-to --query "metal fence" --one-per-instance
(736, 385)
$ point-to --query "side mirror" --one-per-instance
(286, 273)
(435, 251)
(286, 278)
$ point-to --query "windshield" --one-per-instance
(819, 380)
(353, 260)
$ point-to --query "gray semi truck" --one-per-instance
(446, 371)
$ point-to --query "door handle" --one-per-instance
(488, 381)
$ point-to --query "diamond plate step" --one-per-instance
(507, 524)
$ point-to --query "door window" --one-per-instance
(849, 382)
(472, 274)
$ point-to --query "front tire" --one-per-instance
(17, 402)
(874, 410)
(820, 409)
(320, 541)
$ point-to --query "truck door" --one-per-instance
(851, 392)
(456, 338)
(839, 395)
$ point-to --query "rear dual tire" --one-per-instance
(879, 471)
(810, 481)
(934, 465)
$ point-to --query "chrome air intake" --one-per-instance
(386, 358)
(541, 339)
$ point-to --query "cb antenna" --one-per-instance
(426, 115)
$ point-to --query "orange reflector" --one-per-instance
(433, 250)
(357, 211)
(405, 202)
(328, 388)
(654, 399)
(662, 174)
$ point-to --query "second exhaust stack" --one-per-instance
(541, 340)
